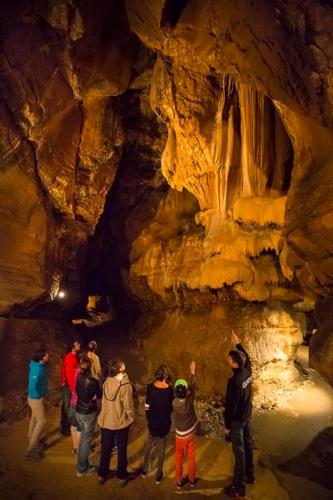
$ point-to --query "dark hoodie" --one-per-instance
(185, 417)
(117, 404)
(238, 405)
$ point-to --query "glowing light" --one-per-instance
(61, 294)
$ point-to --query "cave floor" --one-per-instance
(282, 438)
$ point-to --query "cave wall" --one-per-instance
(196, 158)
(62, 67)
(246, 95)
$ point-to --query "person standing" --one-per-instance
(158, 406)
(186, 422)
(117, 414)
(96, 370)
(237, 417)
(37, 388)
(87, 390)
(70, 363)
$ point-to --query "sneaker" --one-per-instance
(192, 483)
(88, 472)
(179, 485)
(144, 472)
(34, 456)
(232, 491)
(159, 478)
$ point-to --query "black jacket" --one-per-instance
(87, 390)
(158, 408)
(238, 405)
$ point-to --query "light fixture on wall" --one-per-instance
(61, 294)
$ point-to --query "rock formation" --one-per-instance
(176, 155)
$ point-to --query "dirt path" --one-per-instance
(281, 436)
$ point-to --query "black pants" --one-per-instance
(66, 411)
(108, 439)
(241, 440)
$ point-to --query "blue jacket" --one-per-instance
(37, 386)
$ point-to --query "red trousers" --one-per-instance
(185, 447)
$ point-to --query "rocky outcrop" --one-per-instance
(246, 100)
(271, 336)
(62, 66)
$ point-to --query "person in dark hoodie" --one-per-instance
(87, 390)
(186, 422)
(37, 388)
(158, 406)
(115, 418)
(237, 417)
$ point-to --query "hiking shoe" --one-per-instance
(232, 491)
(88, 472)
(159, 478)
(144, 472)
(34, 456)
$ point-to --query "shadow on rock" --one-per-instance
(316, 461)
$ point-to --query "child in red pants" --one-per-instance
(186, 422)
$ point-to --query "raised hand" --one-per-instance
(192, 367)
(234, 338)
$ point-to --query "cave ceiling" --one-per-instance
(222, 178)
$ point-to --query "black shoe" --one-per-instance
(192, 483)
(34, 455)
(179, 485)
(65, 433)
(159, 478)
(144, 472)
(232, 491)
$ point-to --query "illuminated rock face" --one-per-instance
(269, 335)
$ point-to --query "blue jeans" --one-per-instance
(87, 424)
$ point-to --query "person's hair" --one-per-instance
(92, 345)
(70, 346)
(85, 366)
(114, 367)
(39, 354)
(237, 357)
(162, 373)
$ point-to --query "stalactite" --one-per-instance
(222, 145)
(256, 140)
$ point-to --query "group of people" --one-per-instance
(115, 413)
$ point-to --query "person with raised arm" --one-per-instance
(237, 417)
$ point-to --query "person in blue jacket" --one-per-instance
(37, 388)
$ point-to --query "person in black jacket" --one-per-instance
(87, 390)
(237, 417)
(158, 406)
